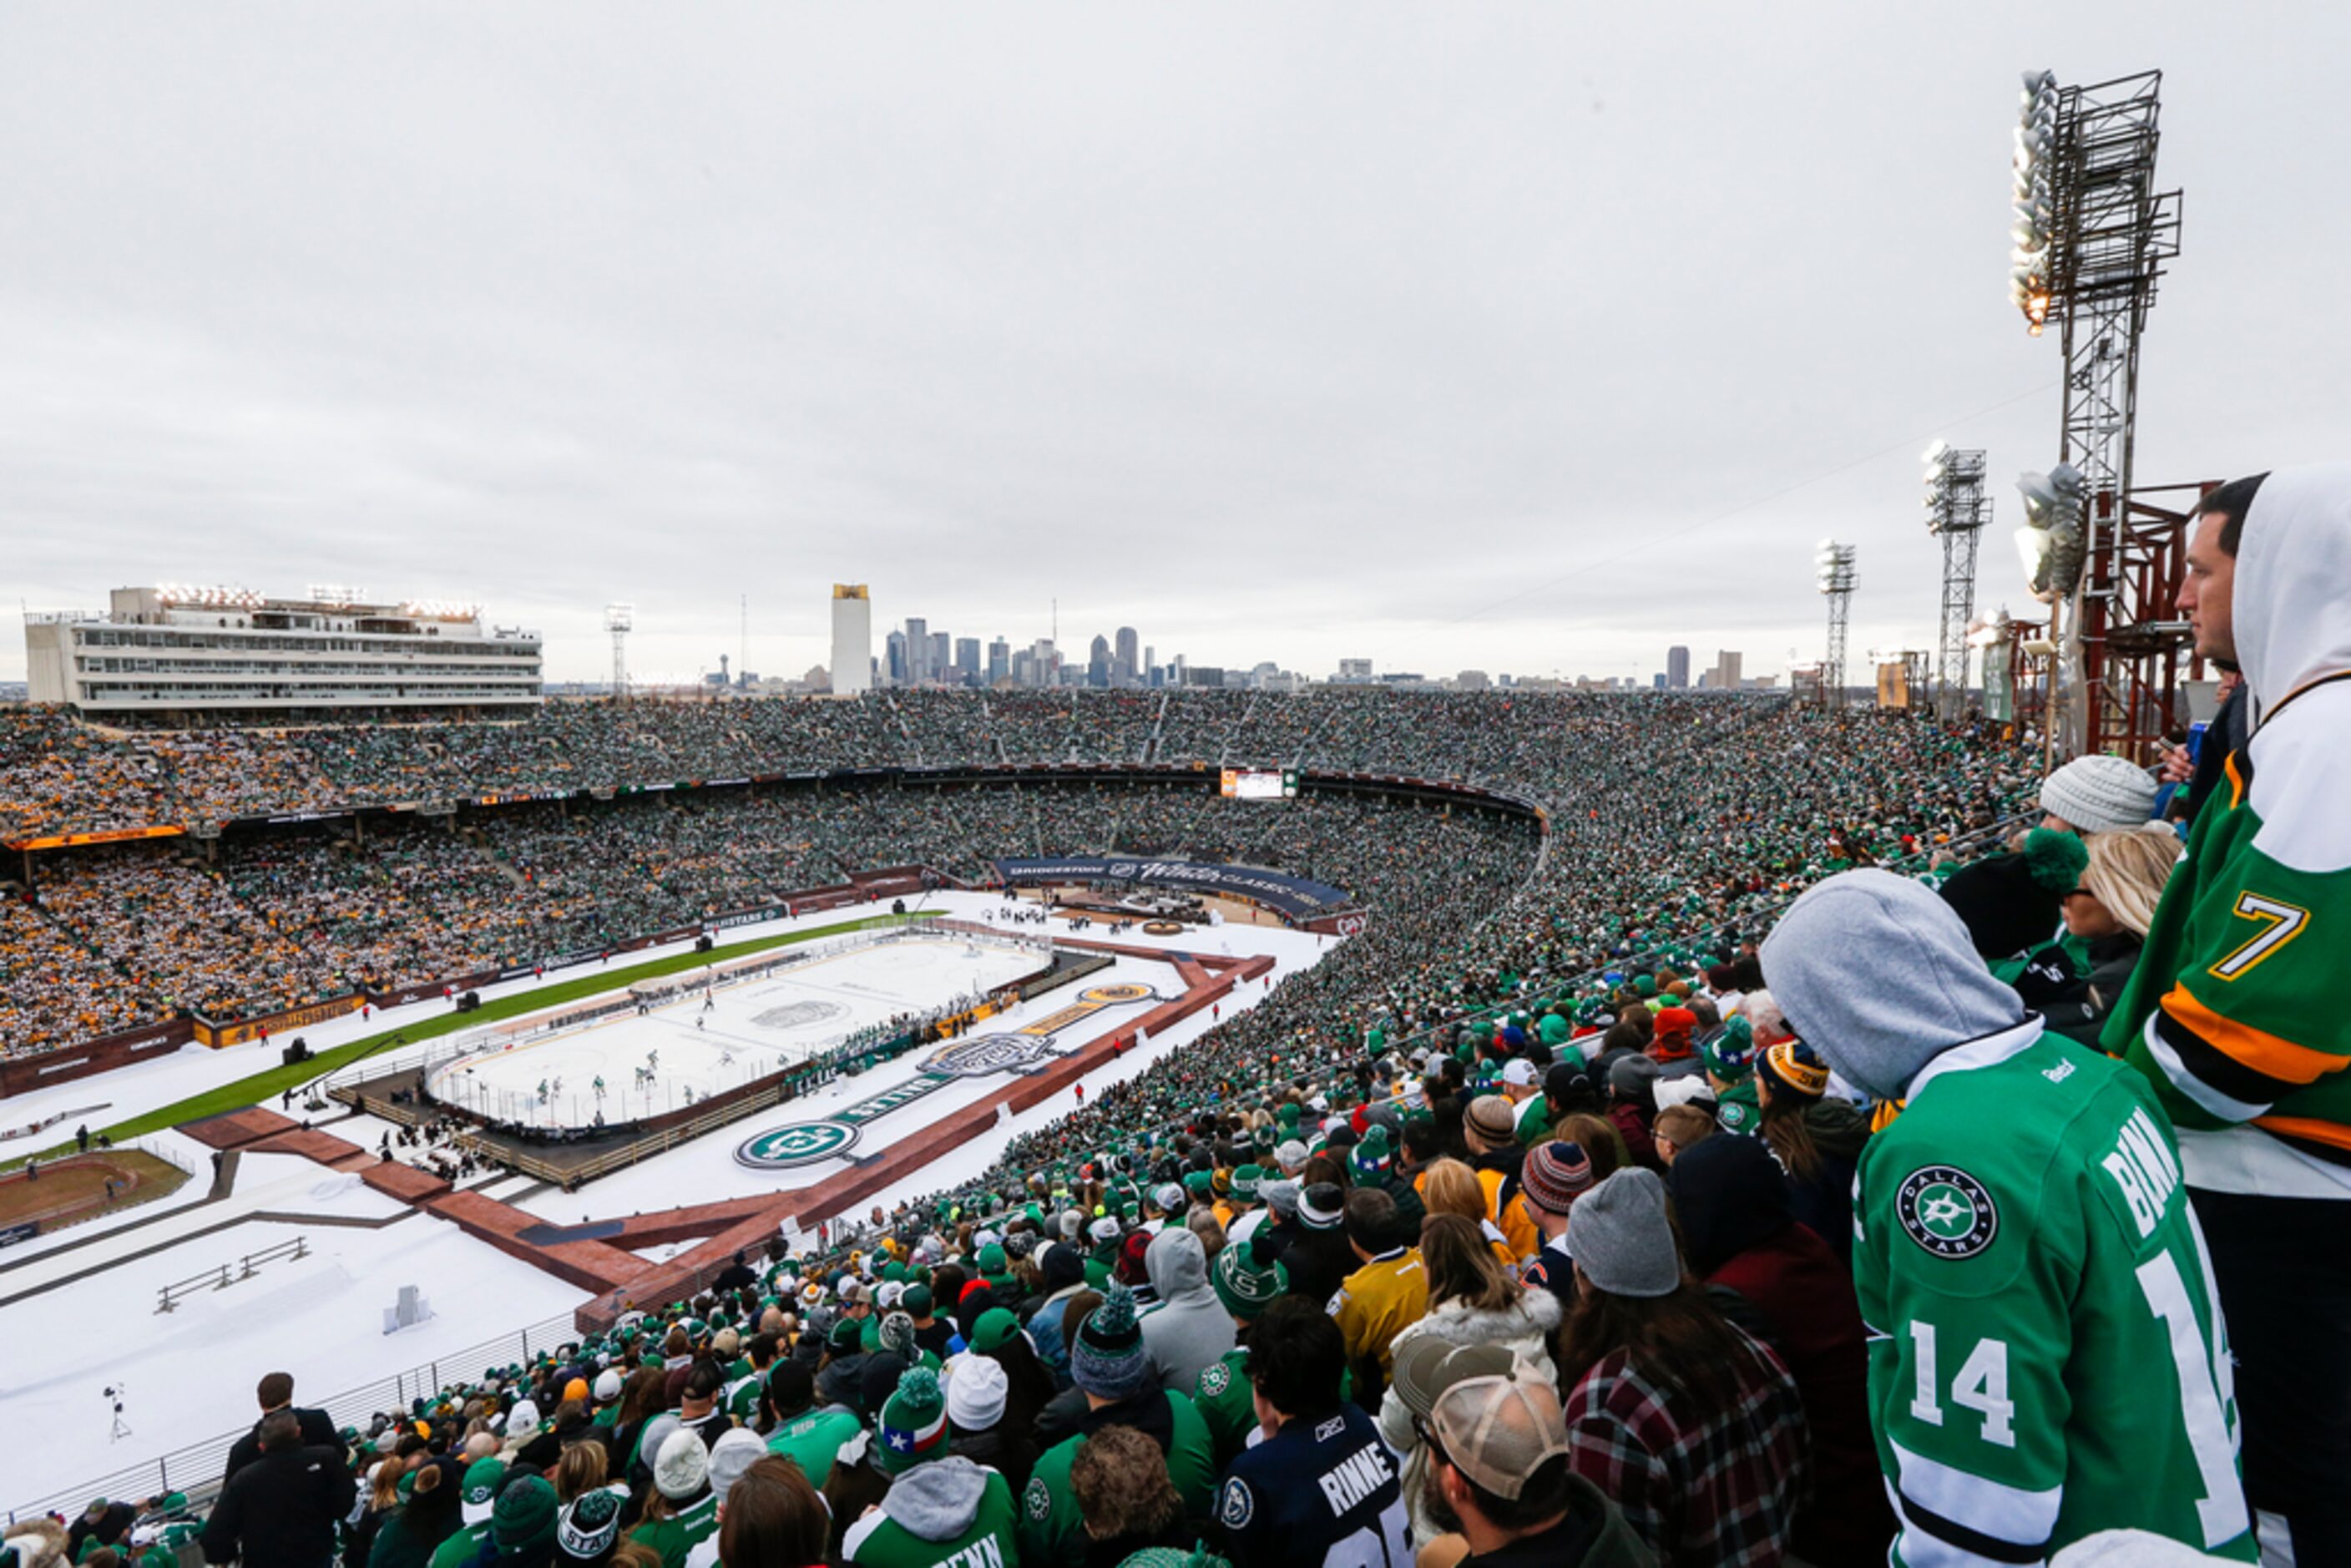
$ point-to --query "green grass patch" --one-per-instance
(271, 1082)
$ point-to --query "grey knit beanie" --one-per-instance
(2100, 794)
(1619, 1236)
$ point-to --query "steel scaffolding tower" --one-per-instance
(619, 619)
(1957, 511)
(1834, 564)
(2092, 234)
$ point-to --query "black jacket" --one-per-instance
(318, 1432)
(1318, 1262)
(280, 1511)
(2224, 735)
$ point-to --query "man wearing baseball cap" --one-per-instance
(1498, 1468)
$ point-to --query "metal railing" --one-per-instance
(170, 1296)
(196, 1469)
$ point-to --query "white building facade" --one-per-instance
(853, 640)
(174, 653)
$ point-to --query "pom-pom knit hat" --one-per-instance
(914, 1423)
(1107, 1359)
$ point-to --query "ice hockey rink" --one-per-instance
(684, 1050)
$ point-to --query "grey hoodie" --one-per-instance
(1877, 975)
(1189, 1331)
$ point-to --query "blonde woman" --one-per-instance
(1449, 1186)
(2075, 982)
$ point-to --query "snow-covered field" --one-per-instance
(190, 1373)
(693, 1048)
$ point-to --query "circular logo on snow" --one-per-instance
(1237, 1505)
(1124, 991)
(982, 1054)
(1038, 1499)
(798, 1015)
(1946, 1211)
(795, 1144)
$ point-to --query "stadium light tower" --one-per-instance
(619, 619)
(2092, 236)
(1833, 566)
(1957, 511)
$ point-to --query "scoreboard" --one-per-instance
(1260, 784)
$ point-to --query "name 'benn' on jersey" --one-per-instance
(2047, 1357)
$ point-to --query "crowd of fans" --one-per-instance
(1661, 813)
(1641, 1214)
(59, 776)
(1525, 1297)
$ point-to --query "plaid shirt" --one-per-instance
(1708, 1489)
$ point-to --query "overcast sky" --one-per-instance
(1524, 338)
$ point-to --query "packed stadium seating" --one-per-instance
(1347, 1164)
(1663, 814)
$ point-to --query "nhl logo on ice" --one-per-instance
(988, 1053)
(1946, 1211)
(795, 1144)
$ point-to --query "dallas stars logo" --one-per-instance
(1946, 1211)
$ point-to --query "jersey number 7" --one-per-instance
(2281, 923)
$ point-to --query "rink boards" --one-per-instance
(682, 1051)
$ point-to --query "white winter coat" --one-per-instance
(1524, 1328)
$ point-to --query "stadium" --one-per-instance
(980, 1106)
(381, 894)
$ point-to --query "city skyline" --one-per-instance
(1122, 661)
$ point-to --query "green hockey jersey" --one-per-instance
(931, 1520)
(680, 1532)
(461, 1548)
(1228, 1409)
(2222, 1011)
(2047, 1356)
(812, 1441)
(1053, 1533)
(1228, 1404)
(1534, 1121)
(740, 1398)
